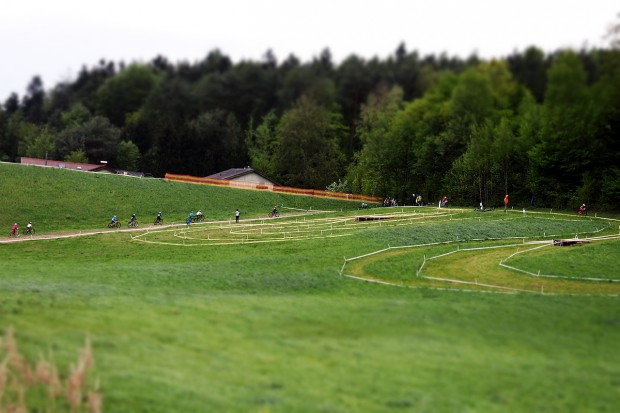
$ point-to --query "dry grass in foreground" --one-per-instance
(39, 387)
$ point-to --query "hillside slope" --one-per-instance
(55, 199)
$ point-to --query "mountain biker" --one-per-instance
(199, 213)
(159, 218)
(29, 228)
(114, 220)
(583, 210)
(14, 229)
(275, 211)
(133, 217)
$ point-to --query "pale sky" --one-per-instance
(55, 38)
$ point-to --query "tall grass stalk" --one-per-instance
(39, 387)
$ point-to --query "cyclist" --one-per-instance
(159, 218)
(133, 218)
(199, 213)
(14, 229)
(29, 228)
(583, 210)
(275, 211)
(114, 220)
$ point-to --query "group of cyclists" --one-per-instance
(133, 222)
(199, 216)
(192, 217)
(15, 230)
(159, 220)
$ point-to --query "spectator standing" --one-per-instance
(237, 213)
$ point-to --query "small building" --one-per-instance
(130, 173)
(76, 166)
(246, 174)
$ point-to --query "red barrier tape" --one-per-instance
(274, 188)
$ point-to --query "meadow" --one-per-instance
(182, 323)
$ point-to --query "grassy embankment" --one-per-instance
(274, 328)
(56, 199)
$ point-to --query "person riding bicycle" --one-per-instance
(14, 229)
(275, 211)
(199, 213)
(159, 218)
(114, 220)
(29, 228)
(583, 210)
(133, 218)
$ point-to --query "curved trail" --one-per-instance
(88, 233)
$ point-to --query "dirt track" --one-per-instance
(86, 233)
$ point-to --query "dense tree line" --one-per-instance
(531, 125)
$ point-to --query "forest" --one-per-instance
(542, 127)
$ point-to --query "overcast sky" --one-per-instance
(55, 38)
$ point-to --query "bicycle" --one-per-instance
(116, 224)
(158, 221)
(29, 231)
(274, 214)
(132, 223)
(198, 218)
(14, 233)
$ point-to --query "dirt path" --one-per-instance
(88, 233)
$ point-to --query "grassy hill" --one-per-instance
(274, 326)
(56, 199)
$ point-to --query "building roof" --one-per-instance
(64, 164)
(234, 173)
(77, 166)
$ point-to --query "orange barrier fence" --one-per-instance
(272, 188)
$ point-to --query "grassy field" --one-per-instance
(586, 260)
(273, 326)
(57, 199)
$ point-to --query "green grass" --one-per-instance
(57, 199)
(595, 260)
(275, 328)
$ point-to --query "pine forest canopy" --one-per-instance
(534, 125)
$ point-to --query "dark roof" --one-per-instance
(233, 173)
(77, 166)
(62, 164)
